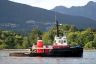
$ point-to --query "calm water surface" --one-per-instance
(89, 57)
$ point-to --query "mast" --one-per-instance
(57, 26)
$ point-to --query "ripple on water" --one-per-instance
(88, 58)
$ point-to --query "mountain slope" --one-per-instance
(16, 16)
(88, 10)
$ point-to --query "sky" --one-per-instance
(50, 4)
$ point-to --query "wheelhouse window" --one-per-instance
(64, 41)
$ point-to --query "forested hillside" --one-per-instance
(12, 40)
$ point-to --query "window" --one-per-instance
(61, 41)
(64, 41)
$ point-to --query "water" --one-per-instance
(89, 57)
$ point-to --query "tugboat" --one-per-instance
(60, 48)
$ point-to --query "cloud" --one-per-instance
(49, 4)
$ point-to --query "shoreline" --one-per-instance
(29, 49)
(15, 49)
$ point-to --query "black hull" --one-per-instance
(63, 52)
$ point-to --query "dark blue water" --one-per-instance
(89, 57)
